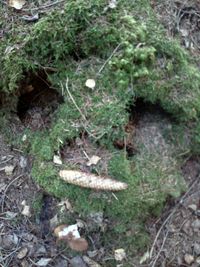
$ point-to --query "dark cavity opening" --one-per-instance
(136, 111)
(37, 101)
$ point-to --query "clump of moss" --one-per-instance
(129, 57)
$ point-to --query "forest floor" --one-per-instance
(28, 214)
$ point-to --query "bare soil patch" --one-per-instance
(37, 101)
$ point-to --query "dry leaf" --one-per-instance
(31, 18)
(43, 262)
(145, 257)
(79, 244)
(71, 235)
(91, 181)
(90, 83)
(26, 211)
(120, 254)
(22, 253)
(112, 4)
(9, 169)
(17, 4)
(90, 262)
(65, 205)
(67, 232)
(93, 160)
(57, 160)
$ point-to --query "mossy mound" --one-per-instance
(126, 52)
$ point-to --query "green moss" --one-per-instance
(37, 205)
(126, 51)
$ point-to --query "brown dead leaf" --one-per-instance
(79, 244)
(93, 160)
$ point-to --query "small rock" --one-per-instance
(22, 253)
(196, 225)
(77, 262)
(197, 249)
(9, 169)
(192, 207)
(26, 211)
(189, 259)
(120, 254)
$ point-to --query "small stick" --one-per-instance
(171, 214)
(103, 66)
(4, 194)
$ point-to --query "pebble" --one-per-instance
(189, 259)
(22, 253)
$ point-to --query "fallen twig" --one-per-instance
(167, 219)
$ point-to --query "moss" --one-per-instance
(37, 205)
(126, 51)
